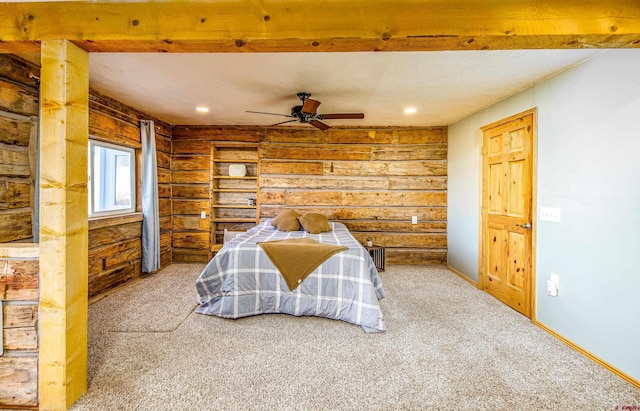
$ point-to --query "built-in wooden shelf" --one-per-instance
(232, 206)
(229, 205)
(234, 220)
(220, 160)
(231, 190)
(237, 178)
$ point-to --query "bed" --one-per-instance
(242, 281)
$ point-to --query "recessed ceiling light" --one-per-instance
(202, 109)
(410, 110)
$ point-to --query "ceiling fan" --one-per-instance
(307, 113)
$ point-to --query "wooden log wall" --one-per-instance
(19, 294)
(19, 259)
(191, 173)
(372, 180)
(115, 242)
(18, 116)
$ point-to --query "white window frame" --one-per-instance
(91, 160)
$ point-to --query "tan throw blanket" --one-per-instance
(296, 258)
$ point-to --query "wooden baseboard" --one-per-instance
(576, 347)
(464, 277)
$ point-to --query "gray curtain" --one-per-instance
(150, 221)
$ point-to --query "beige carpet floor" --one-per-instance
(448, 347)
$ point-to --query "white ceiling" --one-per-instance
(443, 86)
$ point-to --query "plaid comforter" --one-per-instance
(241, 281)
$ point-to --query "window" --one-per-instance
(111, 179)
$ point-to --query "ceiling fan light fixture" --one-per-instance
(307, 113)
(410, 110)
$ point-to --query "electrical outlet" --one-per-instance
(553, 284)
(203, 214)
(414, 219)
(550, 214)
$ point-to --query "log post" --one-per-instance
(63, 224)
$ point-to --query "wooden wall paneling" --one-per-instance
(113, 234)
(18, 280)
(14, 193)
(364, 198)
(164, 190)
(113, 130)
(16, 225)
(190, 177)
(18, 98)
(19, 267)
(418, 183)
(190, 146)
(107, 281)
(189, 207)
(410, 152)
(396, 226)
(114, 249)
(291, 167)
(208, 133)
(316, 152)
(288, 135)
(19, 71)
(373, 180)
(164, 176)
(416, 256)
(367, 213)
(163, 160)
(14, 161)
(14, 132)
(111, 107)
(110, 256)
(324, 182)
(20, 327)
(163, 143)
(361, 136)
(190, 194)
(18, 381)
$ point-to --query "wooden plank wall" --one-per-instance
(18, 260)
(373, 180)
(18, 110)
(115, 242)
(190, 187)
(19, 294)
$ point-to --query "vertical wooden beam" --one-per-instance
(63, 224)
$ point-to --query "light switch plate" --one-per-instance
(203, 214)
(550, 214)
(414, 219)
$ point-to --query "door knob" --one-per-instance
(526, 226)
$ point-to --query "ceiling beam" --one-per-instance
(337, 25)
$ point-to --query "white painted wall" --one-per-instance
(588, 164)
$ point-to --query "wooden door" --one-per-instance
(506, 211)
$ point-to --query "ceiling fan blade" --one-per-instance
(319, 124)
(310, 106)
(272, 114)
(341, 116)
(283, 122)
